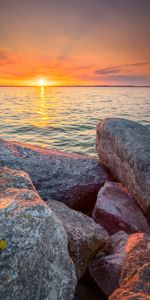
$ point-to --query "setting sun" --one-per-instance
(42, 82)
(74, 117)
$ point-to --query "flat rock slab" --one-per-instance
(71, 178)
(124, 147)
(115, 210)
(134, 281)
(85, 237)
(106, 268)
(34, 259)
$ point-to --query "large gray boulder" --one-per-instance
(34, 259)
(71, 178)
(115, 209)
(124, 147)
(85, 237)
(105, 268)
(134, 281)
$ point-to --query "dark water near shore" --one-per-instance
(65, 118)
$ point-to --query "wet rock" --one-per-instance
(134, 281)
(115, 210)
(71, 178)
(85, 237)
(105, 268)
(34, 259)
(124, 147)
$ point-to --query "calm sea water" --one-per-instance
(66, 118)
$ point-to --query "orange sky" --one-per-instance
(88, 42)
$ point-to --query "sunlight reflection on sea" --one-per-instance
(66, 118)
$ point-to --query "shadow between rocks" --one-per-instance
(87, 289)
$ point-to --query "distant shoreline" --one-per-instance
(83, 86)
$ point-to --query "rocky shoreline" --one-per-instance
(75, 227)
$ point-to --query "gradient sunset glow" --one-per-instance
(82, 42)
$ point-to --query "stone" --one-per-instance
(115, 210)
(85, 237)
(14, 179)
(71, 178)
(34, 259)
(134, 281)
(105, 268)
(123, 146)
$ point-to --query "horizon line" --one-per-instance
(45, 86)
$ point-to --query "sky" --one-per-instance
(75, 42)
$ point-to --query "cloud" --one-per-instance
(119, 69)
(129, 79)
(107, 71)
(138, 64)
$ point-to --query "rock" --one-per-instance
(14, 179)
(34, 259)
(115, 210)
(71, 178)
(85, 237)
(124, 147)
(106, 268)
(134, 281)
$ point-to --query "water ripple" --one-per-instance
(66, 118)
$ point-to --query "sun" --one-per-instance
(42, 82)
(45, 82)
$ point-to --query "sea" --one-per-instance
(65, 118)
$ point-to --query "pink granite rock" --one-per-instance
(34, 256)
(135, 276)
(73, 179)
(123, 146)
(115, 210)
(106, 270)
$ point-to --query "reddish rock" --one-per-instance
(116, 210)
(70, 178)
(106, 270)
(123, 146)
(135, 276)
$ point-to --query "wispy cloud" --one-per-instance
(108, 70)
(119, 69)
(138, 64)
